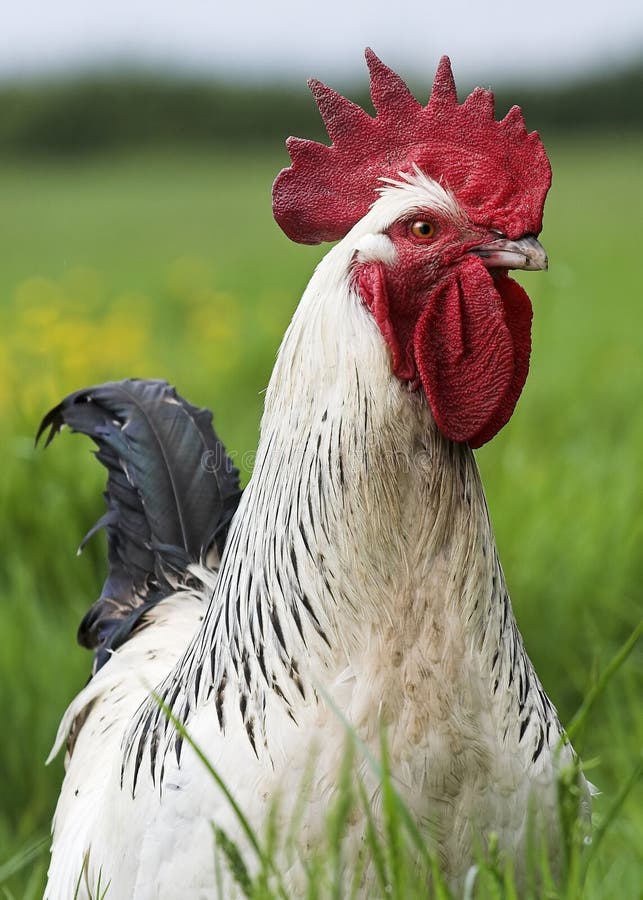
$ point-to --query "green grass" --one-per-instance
(171, 266)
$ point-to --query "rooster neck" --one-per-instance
(361, 554)
(363, 539)
(368, 500)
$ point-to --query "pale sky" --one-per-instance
(545, 39)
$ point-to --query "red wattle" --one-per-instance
(472, 345)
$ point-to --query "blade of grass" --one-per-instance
(372, 838)
(612, 812)
(23, 858)
(241, 817)
(391, 823)
(337, 822)
(236, 864)
(580, 717)
(376, 767)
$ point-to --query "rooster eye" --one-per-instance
(423, 230)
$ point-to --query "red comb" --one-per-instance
(498, 172)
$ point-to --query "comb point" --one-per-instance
(340, 116)
(389, 93)
(514, 120)
(480, 101)
(444, 90)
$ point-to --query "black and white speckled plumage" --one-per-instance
(360, 574)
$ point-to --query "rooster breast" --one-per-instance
(98, 719)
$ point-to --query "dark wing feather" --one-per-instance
(171, 493)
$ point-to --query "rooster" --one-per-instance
(356, 579)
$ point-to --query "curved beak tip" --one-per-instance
(501, 253)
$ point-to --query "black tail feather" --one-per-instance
(171, 493)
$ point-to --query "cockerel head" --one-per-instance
(438, 202)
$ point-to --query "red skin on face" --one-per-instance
(464, 332)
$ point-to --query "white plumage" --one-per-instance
(359, 582)
(360, 567)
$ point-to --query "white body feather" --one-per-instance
(359, 568)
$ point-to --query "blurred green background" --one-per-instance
(136, 239)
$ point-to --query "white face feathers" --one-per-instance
(410, 193)
(375, 248)
(415, 191)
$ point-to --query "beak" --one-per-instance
(501, 253)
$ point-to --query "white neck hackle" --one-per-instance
(362, 539)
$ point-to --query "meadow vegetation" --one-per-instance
(169, 265)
